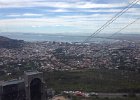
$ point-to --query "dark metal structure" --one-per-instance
(29, 88)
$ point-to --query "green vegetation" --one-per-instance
(93, 80)
(89, 80)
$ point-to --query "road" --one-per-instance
(114, 95)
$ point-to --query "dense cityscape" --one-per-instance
(49, 56)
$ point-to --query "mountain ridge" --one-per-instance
(10, 43)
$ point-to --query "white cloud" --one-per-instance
(87, 23)
(60, 10)
(93, 5)
(79, 10)
(35, 26)
(25, 15)
(31, 14)
(81, 19)
(35, 3)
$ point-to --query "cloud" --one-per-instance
(35, 26)
(60, 10)
(82, 21)
(64, 15)
(25, 15)
(31, 14)
(35, 3)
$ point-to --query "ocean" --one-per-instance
(57, 38)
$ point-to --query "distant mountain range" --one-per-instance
(10, 43)
(131, 37)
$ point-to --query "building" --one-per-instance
(13, 90)
(31, 87)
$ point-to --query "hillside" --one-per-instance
(10, 43)
(98, 80)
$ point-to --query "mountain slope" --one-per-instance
(10, 43)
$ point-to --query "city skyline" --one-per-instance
(74, 17)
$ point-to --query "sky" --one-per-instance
(69, 17)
